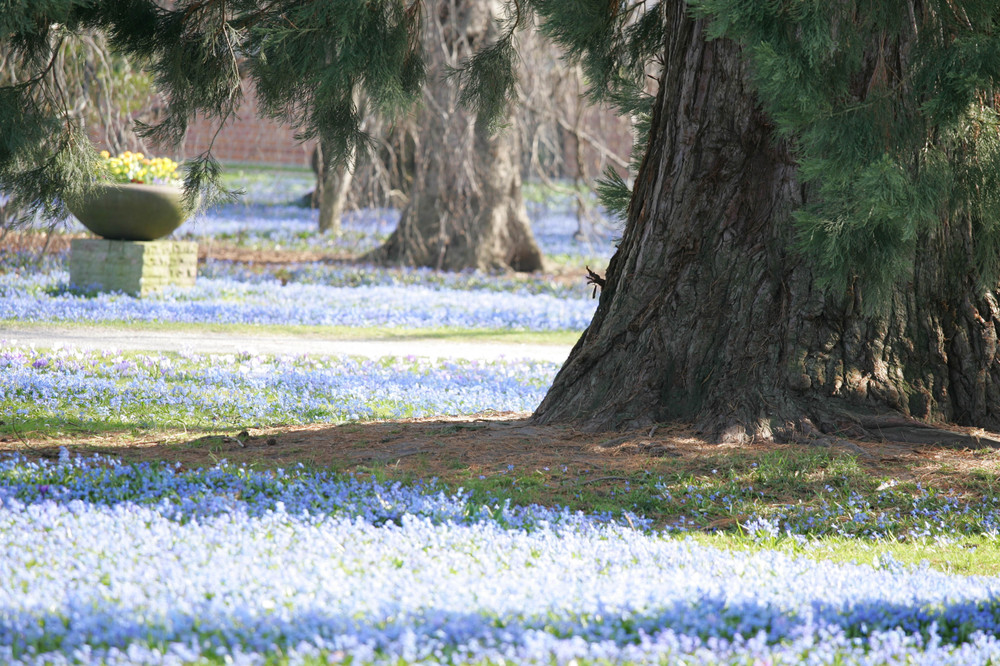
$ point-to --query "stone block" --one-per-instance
(134, 267)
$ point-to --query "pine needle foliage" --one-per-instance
(614, 193)
(613, 41)
(488, 81)
(892, 109)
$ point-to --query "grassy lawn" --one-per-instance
(711, 545)
(926, 507)
(821, 504)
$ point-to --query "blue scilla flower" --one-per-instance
(762, 529)
(149, 564)
(223, 300)
(254, 389)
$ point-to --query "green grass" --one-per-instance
(703, 491)
(969, 556)
(710, 498)
(232, 168)
(10, 327)
(857, 514)
(836, 508)
(245, 174)
(151, 424)
(242, 173)
(557, 190)
(72, 394)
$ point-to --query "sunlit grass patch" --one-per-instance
(975, 555)
(12, 328)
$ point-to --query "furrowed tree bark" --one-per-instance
(709, 316)
(465, 208)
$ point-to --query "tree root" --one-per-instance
(836, 425)
(911, 431)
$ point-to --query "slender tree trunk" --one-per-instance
(333, 185)
(709, 315)
(465, 208)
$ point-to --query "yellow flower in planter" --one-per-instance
(129, 167)
(138, 198)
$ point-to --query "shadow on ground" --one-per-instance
(491, 446)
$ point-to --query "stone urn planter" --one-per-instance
(132, 212)
(130, 217)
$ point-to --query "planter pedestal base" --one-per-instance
(134, 267)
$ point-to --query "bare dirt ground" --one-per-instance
(454, 449)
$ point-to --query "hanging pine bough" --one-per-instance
(322, 67)
(891, 114)
(811, 246)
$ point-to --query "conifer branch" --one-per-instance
(197, 7)
(27, 83)
(60, 94)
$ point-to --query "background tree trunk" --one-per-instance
(465, 208)
(333, 184)
(709, 315)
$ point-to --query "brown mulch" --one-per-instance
(454, 449)
(60, 242)
(37, 241)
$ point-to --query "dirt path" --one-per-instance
(110, 338)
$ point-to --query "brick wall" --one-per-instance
(248, 139)
(254, 140)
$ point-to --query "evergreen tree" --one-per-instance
(811, 245)
(103, 90)
(312, 63)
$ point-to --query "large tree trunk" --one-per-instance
(709, 315)
(465, 208)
